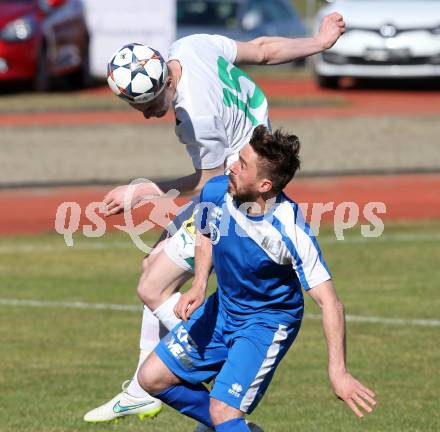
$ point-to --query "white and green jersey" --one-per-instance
(217, 105)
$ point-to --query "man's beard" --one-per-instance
(244, 196)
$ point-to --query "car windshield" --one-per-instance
(207, 13)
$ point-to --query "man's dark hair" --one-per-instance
(278, 154)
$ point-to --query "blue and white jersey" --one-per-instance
(261, 261)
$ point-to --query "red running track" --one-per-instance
(407, 197)
(350, 103)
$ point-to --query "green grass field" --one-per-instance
(58, 362)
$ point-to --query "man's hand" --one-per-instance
(124, 198)
(353, 393)
(189, 302)
(332, 27)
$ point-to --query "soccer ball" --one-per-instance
(137, 73)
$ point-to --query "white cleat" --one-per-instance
(202, 428)
(123, 405)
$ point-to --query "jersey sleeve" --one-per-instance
(205, 139)
(309, 263)
(227, 46)
(307, 259)
(200, 43)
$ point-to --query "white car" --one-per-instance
(384, 39)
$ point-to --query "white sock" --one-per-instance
(151, 332)
(165, 312)
(134, 388)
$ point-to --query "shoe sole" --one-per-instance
(152, 414)
(142, 416)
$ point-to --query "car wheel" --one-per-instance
(331, 82)
(42, 81)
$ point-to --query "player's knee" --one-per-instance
(221, 412)
(146, 286)
(148, 262)
(148, 380)
(144, 292)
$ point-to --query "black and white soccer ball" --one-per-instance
(137, 73)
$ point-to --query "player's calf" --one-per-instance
(221, 412)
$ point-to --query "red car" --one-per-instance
(43, 39)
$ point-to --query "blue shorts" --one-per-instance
(242, 358)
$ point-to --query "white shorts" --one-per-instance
(180, 247)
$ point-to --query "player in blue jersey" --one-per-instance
(263, 252)
(216, 107)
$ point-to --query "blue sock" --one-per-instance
(191, 400)
(234, 425)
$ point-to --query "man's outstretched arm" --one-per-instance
(277, 50)
(192, 184)
(357, 396)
